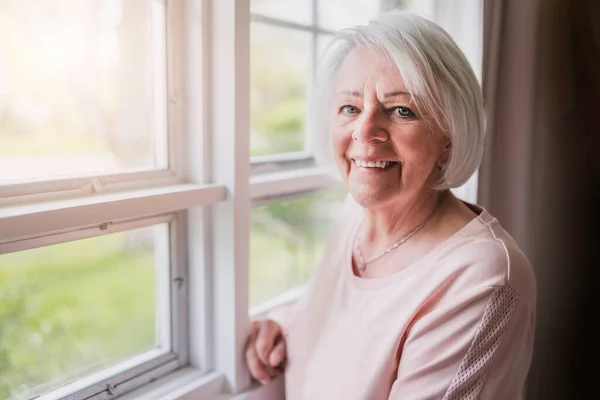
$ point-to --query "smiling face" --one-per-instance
(384, 149)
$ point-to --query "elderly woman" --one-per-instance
(419, 295)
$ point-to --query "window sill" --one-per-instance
(273, 391)
(187, 383)
(193, 384)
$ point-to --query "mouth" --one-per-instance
(374, 165)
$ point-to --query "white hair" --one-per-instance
(432, 68)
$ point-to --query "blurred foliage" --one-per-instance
(287, 238)
(278, 82)
(280, 127)
(71, 309)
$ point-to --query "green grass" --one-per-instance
(70, 309)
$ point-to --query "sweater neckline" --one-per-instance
(483, 217)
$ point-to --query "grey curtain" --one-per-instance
(541, 170)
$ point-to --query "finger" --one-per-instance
(252, 333)
(260, 371)
(265, 340)
(254, 328)
(277, 355)
(257, 369)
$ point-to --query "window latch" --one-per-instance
(112, 390)
(178, 281)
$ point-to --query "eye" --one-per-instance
(403, 112)
(349, 110)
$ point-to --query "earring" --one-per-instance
(442, 166)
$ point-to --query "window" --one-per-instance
(94, 201)
(157, 188)
(83, 77)
(286, 240)
(76, 308)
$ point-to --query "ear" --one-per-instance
(447, 144)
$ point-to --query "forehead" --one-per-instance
(365, 68)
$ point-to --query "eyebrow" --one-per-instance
(397, 93)
(387, 95)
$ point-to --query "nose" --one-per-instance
(369, 128)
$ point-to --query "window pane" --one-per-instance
(81, 88)
(71, 309)
(287, 239)
(279, 71)
(340, 14)
(299, 11)
(323, 43)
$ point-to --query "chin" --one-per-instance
(371, 198)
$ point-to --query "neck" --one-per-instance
(389, 223)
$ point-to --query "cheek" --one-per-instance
(340, 140)
(340, 143)
(420, 155)
(420, 152)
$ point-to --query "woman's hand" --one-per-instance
(265, 350)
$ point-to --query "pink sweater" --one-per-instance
(457, 324)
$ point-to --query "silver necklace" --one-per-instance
(362, 263)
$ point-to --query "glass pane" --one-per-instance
(81, 88)
(323, 42)
(340, 14)
(299, 11)
(287, 239)
(71, 309)
(279, 73)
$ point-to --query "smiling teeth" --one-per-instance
(371, 164)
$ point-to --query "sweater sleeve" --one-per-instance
(478, 346)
